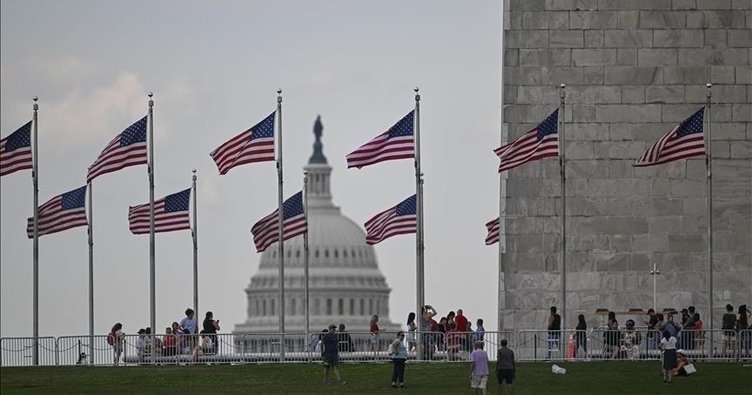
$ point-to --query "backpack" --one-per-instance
(111, 339)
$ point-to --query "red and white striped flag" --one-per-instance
(396, 143)
(685, 140)
(266, 232)
(540, 142)
(15, 151)
(493, 232)
(126, 149)
(398, 220)
(60, 213)
(254, 145)
(170, 214)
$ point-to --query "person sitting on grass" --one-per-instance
(330, 354)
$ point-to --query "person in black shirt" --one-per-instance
(330, 354)
(554, 334)
(211, 326)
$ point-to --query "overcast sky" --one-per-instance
(214, 69)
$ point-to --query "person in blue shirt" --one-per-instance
(330, 354)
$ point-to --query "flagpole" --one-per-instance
(562, 161)
(280, 220)
(709, 182)
(35, 269)
(152, 282)
(305, 257)
(194, 233)
(502, 191)
(91, 274)
(420, 274)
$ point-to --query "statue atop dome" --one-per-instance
(318, 147)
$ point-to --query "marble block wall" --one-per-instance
(633, 70)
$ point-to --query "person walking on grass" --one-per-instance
(479, 369)
(505, 367)
(398, 353)
(330, 354)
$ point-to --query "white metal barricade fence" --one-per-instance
(528, 345)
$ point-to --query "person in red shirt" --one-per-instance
(168, 342)
(460, 321)
(462, 325)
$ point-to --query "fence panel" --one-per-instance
(19, 351)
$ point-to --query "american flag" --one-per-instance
(265, 231)
(170, 214)
(540, 142)
(398, 220)
(493, 232)
(126, 149)
(60, 213)
(15, 151)
(254, 145)
(395, 143)
(683, 141)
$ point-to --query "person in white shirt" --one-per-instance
(668, 345)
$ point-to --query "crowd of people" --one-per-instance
(180, 338)
(452, 333)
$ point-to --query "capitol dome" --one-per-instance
(345, 283)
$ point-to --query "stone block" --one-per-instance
(628, 38)
(741, 150)
(581, 113)
(684, 5)
(629, 75)
(743, 75)
(592, 19)
(537, 94)
(593, 57)
(545, 57)
(593, 38)
(677, 38)
(713, 4)
(593, 75)
(721, 150)
(621, 168)
(695, 206)
(589, 243)
(728, 131)
(545, 20)
(618, 149)
(715, 38)
(632, 94)
(650, 243)
(687, 188)
(626, 56)
(674, 113)
(722, 74)
(586, 169)
(741, 112)
(522, 5)
(594, 94)
(579, 150)
(721, 94)
(512, 57)
(566, 39)
(686, 243)
(740, 38)
(634, 4)
(591, 131)
(685, 74)
(741, 5)
(662, 19)
(550, 75)
(628, 113)
(526, 39)
(609, 225)
(664, 94)
(571, 5)
(657, 57)
(721, 113)
(715, 19)
(628, 19)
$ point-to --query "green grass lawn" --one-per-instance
(368, 378)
